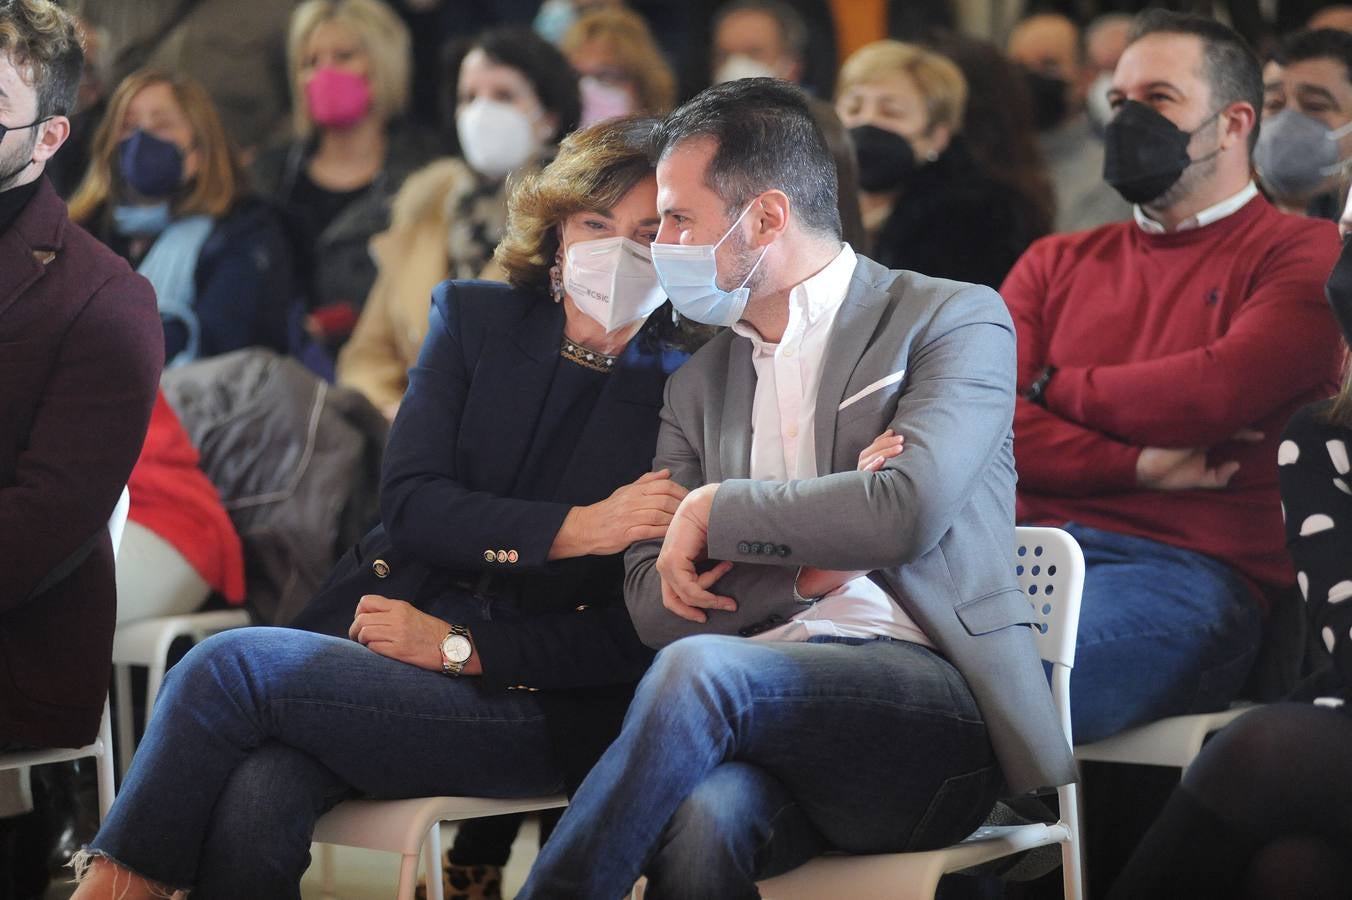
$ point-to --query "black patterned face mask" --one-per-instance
(1144, 153)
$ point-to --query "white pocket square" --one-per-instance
(876, 386)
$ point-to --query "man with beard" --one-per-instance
(80, 353)
(1159, 360)
(847, 662)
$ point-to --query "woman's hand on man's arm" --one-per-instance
(634, 512)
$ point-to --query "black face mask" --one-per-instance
(1144, 154)
(886, 159)
(1049, 99)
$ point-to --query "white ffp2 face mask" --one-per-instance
(689, 275)
(496, 138)
(612, 280)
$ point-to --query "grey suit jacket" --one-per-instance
(935, 526)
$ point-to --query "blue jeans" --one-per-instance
(1163, 632)
(259, 731)
(741, 759)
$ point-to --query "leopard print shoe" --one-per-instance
(466, 882)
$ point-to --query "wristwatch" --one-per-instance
(456, 649)
(1037, 391)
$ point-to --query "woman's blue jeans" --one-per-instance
(257, 732)
(741, 759)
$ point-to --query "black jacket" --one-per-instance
(953, 221)
(447, 502)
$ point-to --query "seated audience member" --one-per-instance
(165, 190)
(234, 49)
(1305, 145)
(506, 501)
(179, 545)
(1337, 15)
(1104, 41)
(79, 359)
(830, 682)
(927, 205)
(1274, 89)
(1158, 361)
(515, 97)
(1049, 48)
(757, 39)
(620, 68)
(1262, 812)
(351, 150)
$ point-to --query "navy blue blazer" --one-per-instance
(452, 523)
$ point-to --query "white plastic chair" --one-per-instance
(1050, 568)
(1174, 741)
(409, 828)
(102, 748)
(146, 643)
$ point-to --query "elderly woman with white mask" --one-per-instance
(515, 97)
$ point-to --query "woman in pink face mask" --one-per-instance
(349, 154)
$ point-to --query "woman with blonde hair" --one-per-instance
(928, 204)
(349, 153)
(165, 190)
(478, 642)
(620, 68)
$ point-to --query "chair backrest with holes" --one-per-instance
(1050, 568)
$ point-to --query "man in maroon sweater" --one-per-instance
(80, 354)
(1159, 360)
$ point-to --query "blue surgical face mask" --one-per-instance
(141, 221)
(689, 275)
(152, 167)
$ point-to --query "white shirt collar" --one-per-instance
(1215, 213)
(809, 299)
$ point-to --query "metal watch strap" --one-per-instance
(799, 598)
(453, 668)
(1037, 391)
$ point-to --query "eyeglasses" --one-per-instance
(5, 129)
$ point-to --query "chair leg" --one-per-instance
(408, 876)
(153, 680)
(126, 721)
(327, 873)
(104, 764)
(432, 861)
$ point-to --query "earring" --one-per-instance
(556, 283)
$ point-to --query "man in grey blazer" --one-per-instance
(847, 663)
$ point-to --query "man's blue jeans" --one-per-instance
(742, 759)
(258, 731)
(1163, 632)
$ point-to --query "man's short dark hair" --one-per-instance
(792, 28)
(38, 36)
(766, 139)
(1320, 43)
(1232, 69)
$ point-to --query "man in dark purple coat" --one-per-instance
(81, 349)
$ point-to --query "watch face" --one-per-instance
(457, 648)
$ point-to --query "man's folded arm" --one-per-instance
(760, 590)
(955, 412)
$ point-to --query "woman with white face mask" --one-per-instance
(515, 96)
(478, 642)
